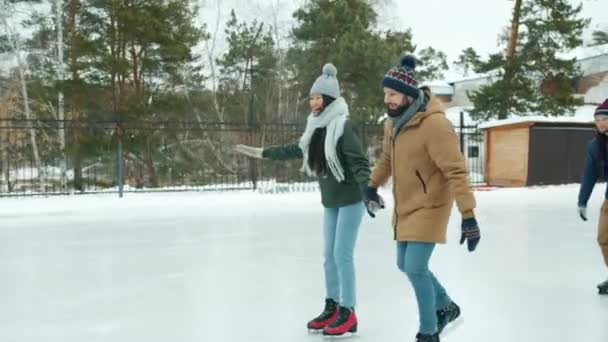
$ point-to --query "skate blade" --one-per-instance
(452, 326)
(315, 331)
(345, 336)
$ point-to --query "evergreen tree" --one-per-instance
(345, 33)
(467, 61)
(600, 37)
(535, 78)
(431, 64)
(248, 69)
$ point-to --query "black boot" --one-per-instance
(447, 315)
(427, 338)
(603, 288)
(329, 314)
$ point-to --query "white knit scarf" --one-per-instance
(333, 118)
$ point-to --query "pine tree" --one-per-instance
(533, 77)
(346, 33)
(600, 37)
(467, 61)
(133, 48)
(248, 69)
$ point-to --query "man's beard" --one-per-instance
(393, 113)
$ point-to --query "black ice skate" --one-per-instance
(329, 314)
(603, 288)
(427, 338)
(447, 315)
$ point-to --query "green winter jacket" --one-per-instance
(354, 162)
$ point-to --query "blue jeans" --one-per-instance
(413, 260)
(341, 228)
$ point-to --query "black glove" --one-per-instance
(373, 202)
(470, 232)
(582, 212)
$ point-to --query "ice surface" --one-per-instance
(247, 267)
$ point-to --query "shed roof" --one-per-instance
(583, 115)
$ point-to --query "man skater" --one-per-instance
(420, 151)
(595, 167)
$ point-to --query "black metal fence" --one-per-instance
(61, 157)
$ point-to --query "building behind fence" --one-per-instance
(60, 157)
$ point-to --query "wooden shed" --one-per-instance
(535, 150)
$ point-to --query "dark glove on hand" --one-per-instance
(373, 202)
(582, 212)
(470, 232)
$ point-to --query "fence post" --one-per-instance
(462, 132)
(119, 159)
(252, 129)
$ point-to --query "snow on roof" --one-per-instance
(475, 77)
(582, 115)
(598, 93)
(439, 87)
(453, 114)
(435, 83)
(586, 52)
(585, 112)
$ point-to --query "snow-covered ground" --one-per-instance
(247, 267)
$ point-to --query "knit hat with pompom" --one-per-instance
(402, 78)
(327, 83)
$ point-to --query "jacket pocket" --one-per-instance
(419, 176)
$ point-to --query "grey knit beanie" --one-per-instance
(327, 83)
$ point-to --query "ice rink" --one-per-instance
(247, 267)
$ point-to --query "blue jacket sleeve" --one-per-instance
(590, 174)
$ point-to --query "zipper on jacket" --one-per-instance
(394, 193)
(394, 174)
(421, 181)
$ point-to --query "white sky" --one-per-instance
(449, 26)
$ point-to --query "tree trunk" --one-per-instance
(26, 106)
(74, 5)
(211, 59)
(60, 101)
(5, 143)
(510, 56)
(281, 102)
(5, 158)
(514, 34)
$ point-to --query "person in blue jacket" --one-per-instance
(596, 166)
